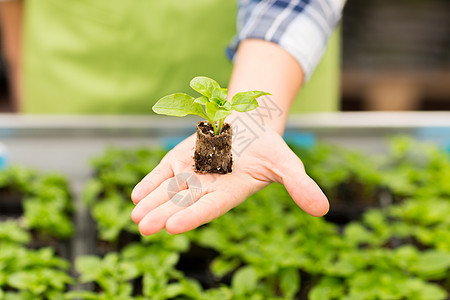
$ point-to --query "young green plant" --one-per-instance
(212, 105)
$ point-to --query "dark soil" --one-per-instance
(10, 203)
(195, 264)
(213, 152)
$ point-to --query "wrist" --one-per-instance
(264, 66)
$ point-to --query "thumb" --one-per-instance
(303, 190)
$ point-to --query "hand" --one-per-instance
(176, 198)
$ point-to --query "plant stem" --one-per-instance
(214, 127)
(219, 128)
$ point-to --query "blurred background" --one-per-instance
(387, 235)
(395, 56)
(396, 50)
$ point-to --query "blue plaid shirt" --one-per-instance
(301, 27)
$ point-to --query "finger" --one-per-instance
(156, 219)
(303, 190)
(166, 191)
(308, 195)
(160, 173)
(160, 195)
(207, 208)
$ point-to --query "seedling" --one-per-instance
(213, 146)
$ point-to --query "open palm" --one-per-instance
(176, 198)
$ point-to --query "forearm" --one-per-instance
(264, 66)
(11, 32)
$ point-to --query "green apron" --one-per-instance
(115, 56)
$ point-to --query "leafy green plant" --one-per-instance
(336, 169)
(268, 225)
(215, 108)
(416, 168)
(48, 206)
(375, 284)
(45, 199)
(267, 248)
(424, 219)
(344, 266)
(111, 274)
(113, 217)
(32, 274)
(108, 193)
(150, 265)
(13, 232)
(382, 273)
(16, 178)
(28, 273)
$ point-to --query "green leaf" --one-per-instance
(432, 264)
(89, 267)
(87, 295)
(211, 109)
(216, 101)
(404, 256)
(220, 93)
(25, 281)
(47, 218)
(356, 234)
(375, 219)
(22, 295)
(246, 101)
(220, 293)
(244, 281)
(212, 238)
(11, 231)
(221, 114)
(245, 104)
(149, 283)
(178, 105)
(124, 291)
(201, 100)
(289, 282)
(416, 288)
(56, 278)
(92, 191)
(170, 260)
(253, 94)
(204, 85)
(113, 216)
(342, 267)
(39, 280)
(128, 270)
(221, 266)
(179, 243)
(109, 285)
(174, 290)
(192, 288)
(226, 105)
(327, 288)
(215, 113)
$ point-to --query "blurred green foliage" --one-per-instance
(44, 199)
(266, 248)
(27, 273)
(107, 194)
